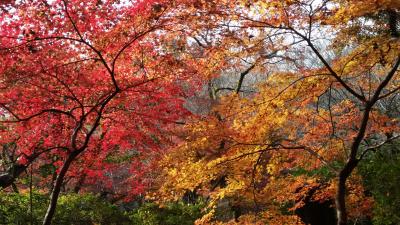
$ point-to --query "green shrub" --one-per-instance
(14, 208)
(72, 209)
(88, 209)
(381, 173)
(171, 214)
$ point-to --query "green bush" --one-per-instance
(171, 214)
(72, 209)
(381, 173)
(14, 208)
(88, 209)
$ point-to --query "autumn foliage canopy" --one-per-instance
(264, 105)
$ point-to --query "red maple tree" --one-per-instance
(85, 81)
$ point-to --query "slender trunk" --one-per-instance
(351, 164)
(241, 78)
(340, 198)
(30, 195)
(53, 180)
(57, 187)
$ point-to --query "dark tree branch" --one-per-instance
(352, 162)
(376, 147)
(241, 78)
(44, 111)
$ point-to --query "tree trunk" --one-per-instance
(340, 198)
(57, 187)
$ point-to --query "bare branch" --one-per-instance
(375, 147)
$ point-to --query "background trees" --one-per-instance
(323, 108)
